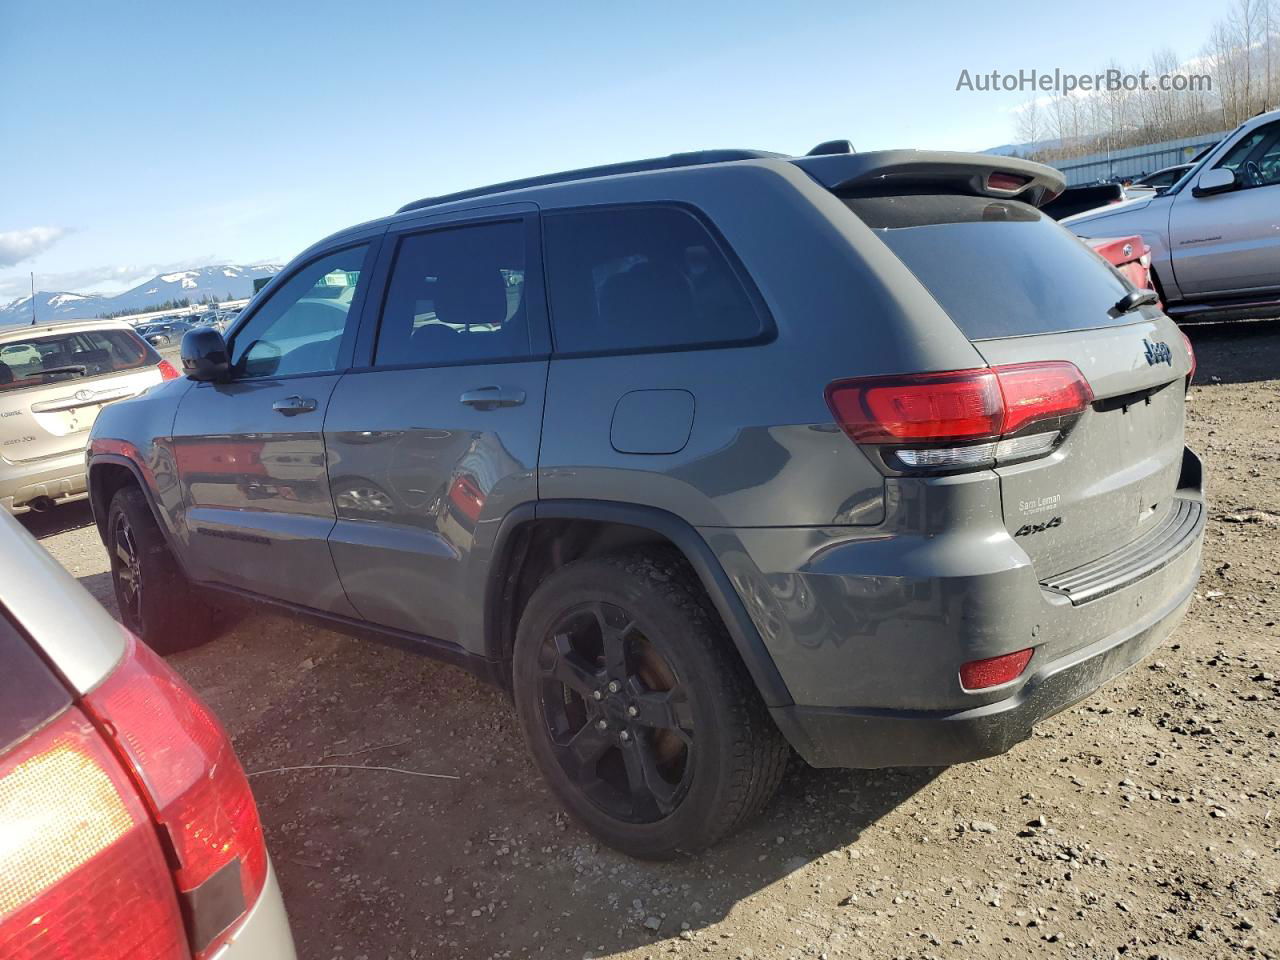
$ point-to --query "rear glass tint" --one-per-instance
(999, 268)
(51, 357)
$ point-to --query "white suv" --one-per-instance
(53, 381)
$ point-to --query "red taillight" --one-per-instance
(930, 407)
(82, 873)
(993, 671)
(168, 371)
(990, 409)
(1036, 392)
(1191, 353)
(195, 786)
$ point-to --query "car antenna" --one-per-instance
(33, 298)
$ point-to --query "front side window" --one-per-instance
(642, 278)
(1269, 165)
(1255, 160)
(299, 329)
(456, 296)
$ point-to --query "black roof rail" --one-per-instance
(590, 173)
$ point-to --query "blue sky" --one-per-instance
(146, 137)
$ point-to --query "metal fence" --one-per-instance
(1135, 161)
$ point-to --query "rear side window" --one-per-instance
(47, 358)
(642, 278)
(999, 268)
(456, 296)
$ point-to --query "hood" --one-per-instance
(1101, 213)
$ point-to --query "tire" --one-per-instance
(699, 755)
(156, 600)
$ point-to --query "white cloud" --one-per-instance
(19, 245)
(104, 279)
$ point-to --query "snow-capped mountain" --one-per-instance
(222, 281)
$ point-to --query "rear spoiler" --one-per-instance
(934, 171)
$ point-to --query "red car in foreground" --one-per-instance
(127, 827)
(1130, 255)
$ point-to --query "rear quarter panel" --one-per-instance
(763, 449)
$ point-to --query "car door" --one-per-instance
(435, 438)
(1229, 243)
(249, 452)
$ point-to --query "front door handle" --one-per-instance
(490, 398)
(292, 406)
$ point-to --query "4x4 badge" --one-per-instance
(1157, 352)
(1029, 528)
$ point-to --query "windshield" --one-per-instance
(998, 267)
(46, 358)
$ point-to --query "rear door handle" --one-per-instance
(292, 406)
(490, 398)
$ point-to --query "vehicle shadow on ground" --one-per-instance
(103, 590)
(1244, 351)
(483, 863)
(60, 519)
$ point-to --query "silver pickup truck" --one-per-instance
(1215, 234)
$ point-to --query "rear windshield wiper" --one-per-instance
(1132, 300)
(78, 368)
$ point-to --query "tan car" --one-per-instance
(53, 381)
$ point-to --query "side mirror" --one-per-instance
(204, 355)
(1217, 180)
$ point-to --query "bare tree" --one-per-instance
(1030, 125)
(1241, 58)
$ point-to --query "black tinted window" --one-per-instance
(456, 295)
(637, 278)
(999, 268)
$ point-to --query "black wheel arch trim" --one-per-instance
(100, 509)
(746, 638)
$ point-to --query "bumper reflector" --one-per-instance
(994, 671)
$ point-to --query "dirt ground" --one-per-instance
(1141, 823)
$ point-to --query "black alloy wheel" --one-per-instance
(618, 718)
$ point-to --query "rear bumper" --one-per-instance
(60, 479)
(869, 627)
(835, 737)
(264, 934)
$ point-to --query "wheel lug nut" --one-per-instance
(602, 724)
(632, 712)
(597, 695)
(624, 736)
(614, 686)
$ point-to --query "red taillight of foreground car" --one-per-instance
(195, 786)
(1191, 354)
(994, 671)
(82, 872)
(964, 418)
(168, 371)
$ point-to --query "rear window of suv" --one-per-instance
(999, 268)
(49, 357)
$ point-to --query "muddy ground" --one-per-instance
(1141, 823)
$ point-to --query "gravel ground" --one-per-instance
(1139, 824)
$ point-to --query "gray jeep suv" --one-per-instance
(701, 457)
